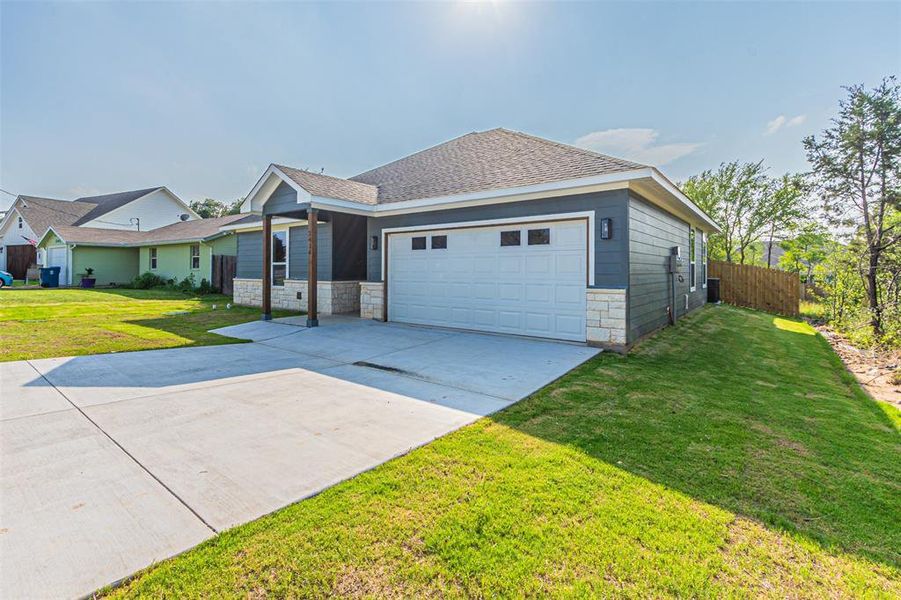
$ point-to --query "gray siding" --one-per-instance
(250, 253)
(297, 252)
(283, 200)
(652, 232)
(611, 256)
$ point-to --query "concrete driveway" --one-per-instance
(111, 462)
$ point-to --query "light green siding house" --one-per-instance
(175, 251)
(179, 261)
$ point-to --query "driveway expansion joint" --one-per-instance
(126, 452)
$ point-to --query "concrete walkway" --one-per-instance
(112, 462)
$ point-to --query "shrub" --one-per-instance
(205, 288)
(147, 280)
(187, 284)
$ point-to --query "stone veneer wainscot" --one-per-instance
(372, 300)
(606, 317)
(335, 297)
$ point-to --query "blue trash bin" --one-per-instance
(50, 277)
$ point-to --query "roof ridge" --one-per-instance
(278, 166)
(432, 147)
(38, 199)
(568, 146)
(146, 190)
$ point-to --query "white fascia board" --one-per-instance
(610, 181)
(49, 229)
(670, 187)
(259, 226)
(483, 197)
(8, 218)
(588, 214)
(265, 191)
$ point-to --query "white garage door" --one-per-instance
(58, 257)
(524, 279)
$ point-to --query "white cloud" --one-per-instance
(639, 145)
(783, 121)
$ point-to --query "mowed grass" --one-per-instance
(729, 456)
(66, 322)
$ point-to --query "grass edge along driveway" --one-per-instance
(45, 323)
(730, 455)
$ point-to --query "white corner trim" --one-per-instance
(588, 214)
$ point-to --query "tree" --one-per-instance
(746, 204)
(786, 208)
(805, 250)
(209, 208)
(857, 165)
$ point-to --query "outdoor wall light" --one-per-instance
(373, 242)
(606, 229)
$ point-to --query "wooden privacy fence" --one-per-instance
(224, 270)
(758, 287)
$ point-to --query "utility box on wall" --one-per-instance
(675, 260)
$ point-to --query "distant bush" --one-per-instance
(148, 280)
(188, 285)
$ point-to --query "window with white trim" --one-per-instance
(704, 259)
(153, 261)
(279, 258)
(195, 256)
(692, 257)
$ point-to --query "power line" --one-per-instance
(10, 193)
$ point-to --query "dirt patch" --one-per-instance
(874, 369)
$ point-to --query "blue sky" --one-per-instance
(201, 97)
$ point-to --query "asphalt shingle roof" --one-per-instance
(478, 161)
(41, 213)
(184, 231)
(331, 187)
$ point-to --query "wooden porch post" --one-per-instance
(312, 275)
(267, 267)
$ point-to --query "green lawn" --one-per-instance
(730, 455)
(62, 322)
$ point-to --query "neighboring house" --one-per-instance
(29, 218)
(175, 251)
(494, 231)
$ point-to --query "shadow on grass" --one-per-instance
(759, 418)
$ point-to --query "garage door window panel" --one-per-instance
(418, 243)
(539, 237)
(439, 242)
(510, 238)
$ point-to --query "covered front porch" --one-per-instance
(294, 255)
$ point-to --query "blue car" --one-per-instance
(5, 279)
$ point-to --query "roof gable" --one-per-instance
(327, 186)
(41, 213)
